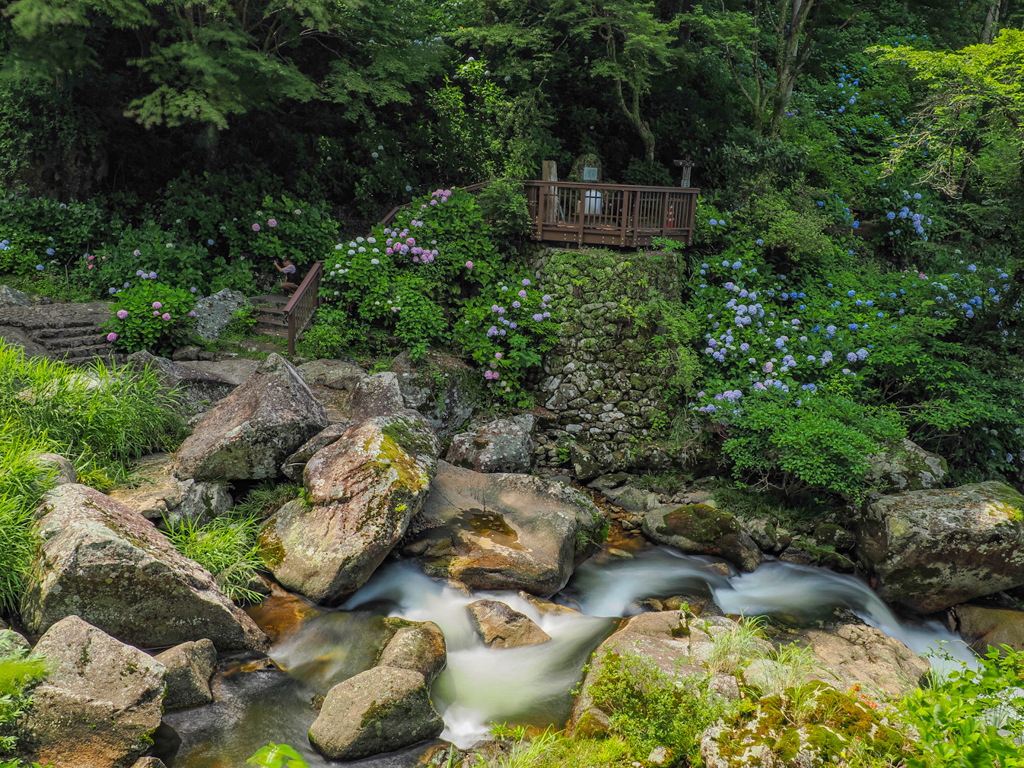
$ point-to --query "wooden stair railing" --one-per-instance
(303, 303)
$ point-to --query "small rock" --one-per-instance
(334, 374)
(661, 755)
(501, 627)
(416, 645)
(12, 297)
(63, 470)
(189, 668)
(702, 530)
(504, 445)
(379, 710)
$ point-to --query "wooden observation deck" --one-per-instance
(623, 215)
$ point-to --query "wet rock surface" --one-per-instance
(504, 531)
(499, 626)
(700, 529)
(189, 669)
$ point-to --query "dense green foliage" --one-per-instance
(18, 671)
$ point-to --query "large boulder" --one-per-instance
(189, 669)
(441, 387)
(415, 645)
(248, 434)
(102, 561)
(908, 467)
(984, 627)
(213, 313)
(158, 495)
(499, 626)
(377, 395)
(98, 705)
(504, 445)
(503, 531)
(700, 529)
(295, 464)
(362, 491)
(931, 550)
(197, 387)
(379, 710)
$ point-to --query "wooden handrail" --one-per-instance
(303, 303)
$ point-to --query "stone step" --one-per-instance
(81, 353)
(270, 300)
(50, 330)
(273, 329)
(63, 336)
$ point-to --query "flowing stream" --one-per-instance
(529, 685)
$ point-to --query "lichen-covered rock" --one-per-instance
(12, 297)
(908, 467)
(809, 726)
(248, 434)
(415, 645)
(931, 550)
(765, 535)
(102, 561)
(295, 464)
(214, 312)
(189, 668)
(158, 495)
(441, 388)
(362, 491)
(504, 445)
(501, 531)
(377, 395)
(806, 552)
(632, 499)
(700, 529)
(988, 627)
(98, 705)
(197, 387)
(499, 626)
(379, 710)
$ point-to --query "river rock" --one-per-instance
(632, 499)
(379, 710)
(249, 433)
(11, 642)
(198, 388)
(504, 445)
(441, 388)
(106, 563)
(334, 374)
(295, 464)
(362, 491)
(213, 313)
(700, 529)
(933, 549)
(501, 627)
(416, 645)
(988, 627)
(158, 495)
(189, 669)
(503, 531)
(909, 467)
(98, 705)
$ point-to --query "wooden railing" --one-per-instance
(610, 214)
(303, 303)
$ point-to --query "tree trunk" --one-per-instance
(792, 53)
(988, 34)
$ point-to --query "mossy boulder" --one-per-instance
(415, 645)
(108, 564)
(933, 549)
(248, 434)
(362, 491)
(907, 467)
(99, 703)
(700, 529)
(504, 531)
(379, 710)
(807, 726)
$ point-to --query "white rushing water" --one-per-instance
(529, 684)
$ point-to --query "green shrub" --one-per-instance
(42, 233)
(227, 547)
(18, 672)
(140, 253)
(282, 228)
(504, 206)
(800, 441)
(151, 316)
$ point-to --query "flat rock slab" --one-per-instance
(106, 563)
(934, 549)
(98, 705)
(248, 434)
(502, 531)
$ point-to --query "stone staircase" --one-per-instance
(70, 332)
(270, 317)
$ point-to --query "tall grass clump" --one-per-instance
(23, 481)
(17, 672)
(227, 547)
(111, 413)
